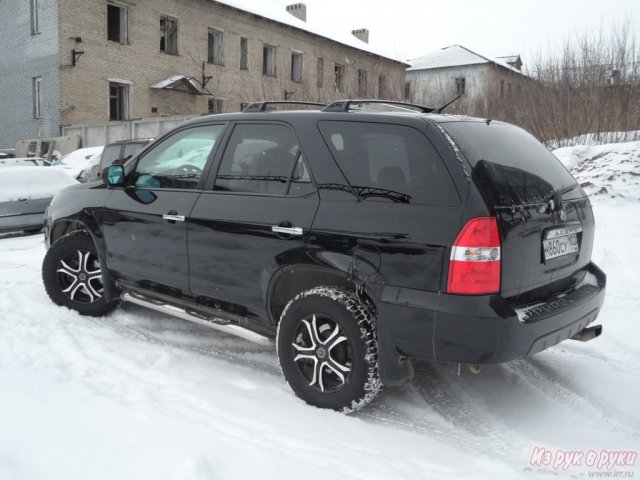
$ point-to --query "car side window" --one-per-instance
(178, 161)
(385, 162)
(260, 158)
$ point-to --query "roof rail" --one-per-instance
(345, 105)
(262, 106)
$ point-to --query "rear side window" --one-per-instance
(510, 166)
(263, 158)
(385, 162)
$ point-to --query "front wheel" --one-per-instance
(72, 275)
(327, 348)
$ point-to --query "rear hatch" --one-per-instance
(545, 219)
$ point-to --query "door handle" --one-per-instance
(173, 217)
(286, 230)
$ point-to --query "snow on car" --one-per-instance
(78, 161)
(25, 193)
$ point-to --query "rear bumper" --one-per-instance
(481, 329)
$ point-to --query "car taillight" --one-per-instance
(474, 266)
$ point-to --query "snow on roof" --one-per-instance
(174, 82)
(508, 58)
(316, 23)
(453, 56)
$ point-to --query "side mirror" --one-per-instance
(113, 175)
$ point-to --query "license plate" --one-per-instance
(559, 246)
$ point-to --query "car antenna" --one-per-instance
(439, 110)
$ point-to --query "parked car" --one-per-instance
(78, 162)
(25, 193)
(358, 240)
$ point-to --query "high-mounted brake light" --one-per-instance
(474, 266)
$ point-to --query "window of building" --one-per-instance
(37, 97)
(382, 87)
(269, 60)
(118, 101)
(393, 163)
(460, 86)
(319, 72)
(215, 105)
(260, 159)
(215, 47)
(244, 53)
(117, 23)
(407, 90)
(35, 23)
(509, 90)
(296, 66)
(362, 83)
(168, 35)
(338, 73)
(501, 88)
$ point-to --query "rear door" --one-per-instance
(144, 224)
(256, 218)
(545, 219)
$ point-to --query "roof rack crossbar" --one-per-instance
(262, 106)
(345, 105)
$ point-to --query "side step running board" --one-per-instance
(587, 334)
(178, 312)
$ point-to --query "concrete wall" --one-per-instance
(84, 91)
(24, 56)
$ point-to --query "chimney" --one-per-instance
(298, 10)
(361, 34)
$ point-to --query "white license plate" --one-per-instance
(557, 247)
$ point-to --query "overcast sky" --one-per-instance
(409, 29)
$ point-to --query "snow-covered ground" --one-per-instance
(138, 395)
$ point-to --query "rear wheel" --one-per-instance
(327, 348)
(72, 275)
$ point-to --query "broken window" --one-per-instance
(168, 35)
(269, 60)
(37, 97)
(35, 24)
(118, 101)
(215, 46)
(296, 66)
(362, 83)
(338, 71)
(244, 53)
(460, 84)
(117, 23)
(215, 105)
(320, 72)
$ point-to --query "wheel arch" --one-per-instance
(292, 280)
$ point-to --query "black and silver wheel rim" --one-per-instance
(79, 276)
(322, 353)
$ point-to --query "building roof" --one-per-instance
(509, 58)
(454, 56)
(316, 23)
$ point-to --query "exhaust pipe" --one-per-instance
(200, 320)
(587, 334)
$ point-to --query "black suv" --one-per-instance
(358, 239)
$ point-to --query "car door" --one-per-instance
(255, 219)
(144, 224)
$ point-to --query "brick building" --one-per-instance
(98, 61)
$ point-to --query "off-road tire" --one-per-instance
(72, 276)
(338, 312)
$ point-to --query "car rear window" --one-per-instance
(386, 162)
(510, 166)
